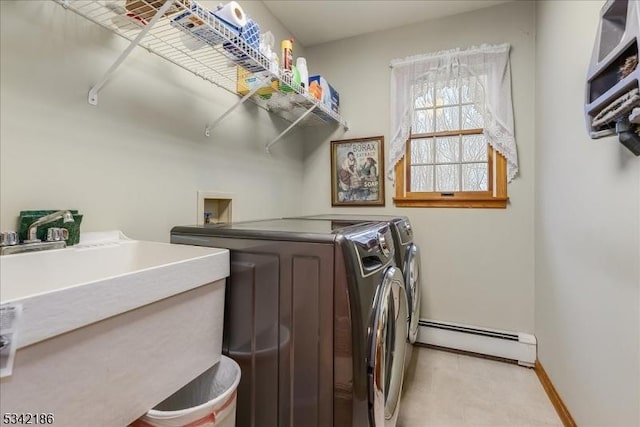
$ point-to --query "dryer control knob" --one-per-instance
(407, 228)
(384, 245)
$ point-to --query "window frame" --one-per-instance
(494, 197)
(496, 194)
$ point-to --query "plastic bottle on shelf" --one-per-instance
(287, 54)
(267, 43)
(295, 80)
(296, 76)
(301, 65)
(274, 64)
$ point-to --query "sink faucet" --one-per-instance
(33, 228)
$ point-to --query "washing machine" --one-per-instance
(315, 317)
(407, 258)
(381, 290)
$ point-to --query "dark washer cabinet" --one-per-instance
(297, 315)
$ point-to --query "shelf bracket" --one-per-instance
(239, 102)
(93, 92)
(291, 126)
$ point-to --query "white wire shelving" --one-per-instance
(149, 25)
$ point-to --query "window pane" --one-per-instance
(474, 148)
(447, 118)
(474, 177)
(422, 151)
(471, 117)
(424, 97)
(448, 150)
(447, 178)
(421, 178)
(422, 121)
(447, 93)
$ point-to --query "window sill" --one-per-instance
(459, 202)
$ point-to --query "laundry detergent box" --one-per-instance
(322, 90)
(247, 81)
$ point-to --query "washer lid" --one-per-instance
(387, 344)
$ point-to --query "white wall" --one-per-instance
(477, 264)
(587, 233)
(136, 161)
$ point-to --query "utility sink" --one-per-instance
(110, 327)
(104, 275)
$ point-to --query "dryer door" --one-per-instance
(387, 338)
(411, 270)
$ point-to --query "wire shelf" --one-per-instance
(213, 53)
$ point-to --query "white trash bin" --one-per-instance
(207, 401)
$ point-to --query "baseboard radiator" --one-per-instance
(508, 345)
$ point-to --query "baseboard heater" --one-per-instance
(508, 345)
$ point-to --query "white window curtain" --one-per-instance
(486, 64)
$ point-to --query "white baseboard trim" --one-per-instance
(508, 345)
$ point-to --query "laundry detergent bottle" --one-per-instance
(287, 54)
(301, 65)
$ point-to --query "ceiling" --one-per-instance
(321, 21)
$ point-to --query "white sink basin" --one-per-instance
(65, 289)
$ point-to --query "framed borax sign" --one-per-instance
(357, 172)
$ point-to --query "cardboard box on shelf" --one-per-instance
(322, 90)
(248, 81)
(189, 22)
(143, 11)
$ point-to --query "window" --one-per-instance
(452, 139)
(447, 161)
